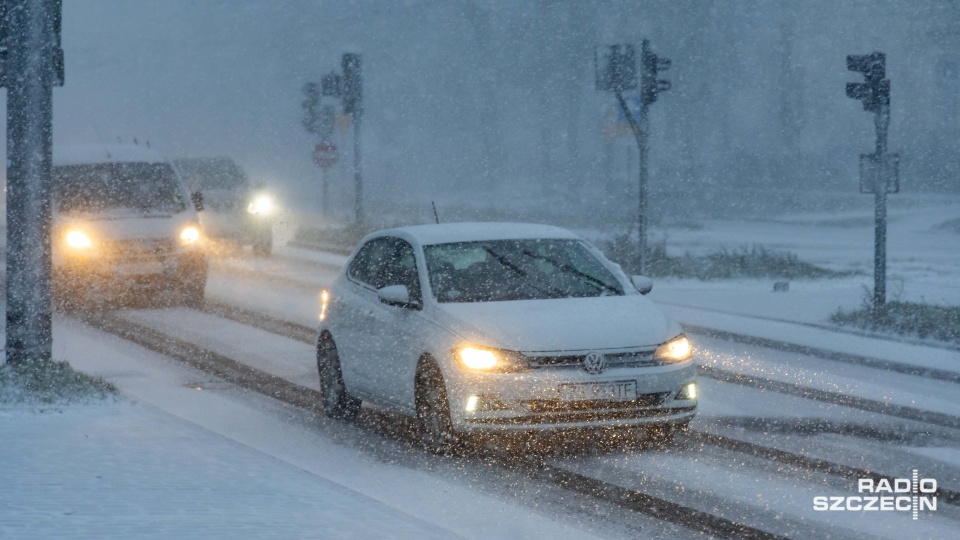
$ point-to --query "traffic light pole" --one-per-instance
(882, 122)
(357, 173)
(29, 77)
(640, 129)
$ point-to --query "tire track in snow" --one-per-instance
(253, 379)
(307, 335)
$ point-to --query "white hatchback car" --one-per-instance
(499, 327)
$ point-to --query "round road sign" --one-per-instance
(325, 154)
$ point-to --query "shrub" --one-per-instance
(50, 382)
(745, 262)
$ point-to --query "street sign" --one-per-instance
(325, 154)
(876, 172)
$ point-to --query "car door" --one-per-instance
(357, 327)
(399, 335)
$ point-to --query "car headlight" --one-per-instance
(189, 235)
(677, 349)
(482, 359)
(78, 240)
(261, 205)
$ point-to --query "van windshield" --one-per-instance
(142, 187)
(211, 173)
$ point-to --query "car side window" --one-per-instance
(400, 269)
(370, 259)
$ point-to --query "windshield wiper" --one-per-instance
(503, 260)
(571, 270)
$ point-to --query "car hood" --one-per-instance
(566, 324)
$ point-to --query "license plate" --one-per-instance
(138, 268)
(602, 391)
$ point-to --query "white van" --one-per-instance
(235, 208)
(122, 217)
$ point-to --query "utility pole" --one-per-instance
(32, 63)
(617, 71)
(353, 105)
(879, 172)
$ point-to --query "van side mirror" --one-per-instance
(642, 283)
(197, 198)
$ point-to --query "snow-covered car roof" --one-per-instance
(84, 154)
(446, 233)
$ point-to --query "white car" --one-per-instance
(122, 217)
(478, 328)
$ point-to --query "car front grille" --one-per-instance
(553, 405)
(140, 249)
(626, 359)
(583, 416)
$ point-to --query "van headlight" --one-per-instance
(677, 349)
(492, 360)
(261, 205)
(78, 240)
(189, 235)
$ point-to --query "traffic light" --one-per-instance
(874, 92)
(352, 88)
(330, 84)
(616, 68)
(311, 92)
(650, 66)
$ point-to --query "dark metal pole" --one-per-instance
(640, 133)
(357, 173)
(882, 121)
(324, 193)
(29, 78)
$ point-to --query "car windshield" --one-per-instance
(499, 270)
(142, 187)
(213, 173)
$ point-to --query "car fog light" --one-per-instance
(472, 403)
(483, 403)
(689, 391)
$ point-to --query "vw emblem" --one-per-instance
(594, 363)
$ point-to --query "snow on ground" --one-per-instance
(190, 456)
(923, 262)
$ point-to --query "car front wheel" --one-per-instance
(433, 413)
(337, 403)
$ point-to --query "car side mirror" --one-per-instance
(197, 198)
(397, 295)
(642, 283)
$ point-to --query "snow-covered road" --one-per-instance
(776, 426)
(822, 444)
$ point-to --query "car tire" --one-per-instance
(437, 434)
(337, 403)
